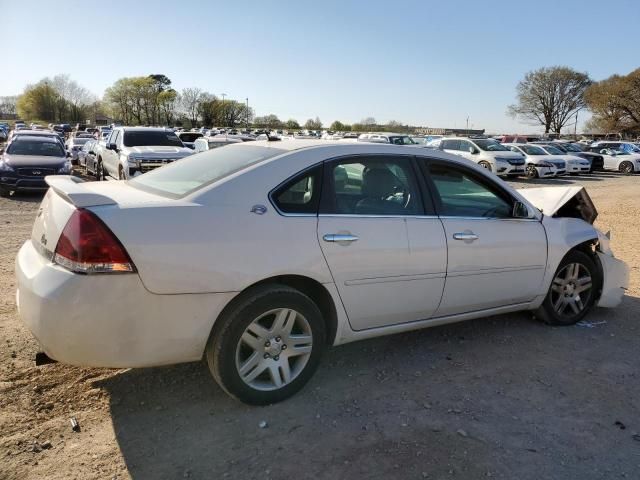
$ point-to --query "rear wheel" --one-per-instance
(485, 165)
(99, 171)
(573, 290)
(626, 167)
(121, 173)
(4, 192)
(268, 346)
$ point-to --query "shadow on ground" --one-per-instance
(502, 396)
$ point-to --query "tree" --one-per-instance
(550, 96)
(312, 124)
(270, 121)
(338, 126)
(615, 103)
(8, 106)
(190, 99)
(39, 102)
(394, 126)
(292, 124)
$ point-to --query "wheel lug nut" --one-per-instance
(284, 347)
(276, 358)
(278, 339)
(267, 344)
(266, 355)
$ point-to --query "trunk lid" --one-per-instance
(573, 201)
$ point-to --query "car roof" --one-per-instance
(145, 129)
(35, 138)
(36, 133)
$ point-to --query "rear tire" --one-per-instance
(256, 361)
(5, 192)
(626, 167)
(573, 290)
(485, 165)
(99, 171)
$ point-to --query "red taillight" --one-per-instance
(86, 245)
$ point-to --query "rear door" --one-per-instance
(387, 258)
(494, 259)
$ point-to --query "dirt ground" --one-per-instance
(501, 397)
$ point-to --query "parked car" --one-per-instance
(196, 259)
(36, 133)
(628, 147)
(27, 160)
(538, 163)
(486, 152)
(393, 138)
(595, 160)
(74, 145)
(131, 151)
(618, 160)
(86, 155)
(574, 164)
(203, 144)
(188, 138)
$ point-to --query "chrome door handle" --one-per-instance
(465, 236)
(339, 237)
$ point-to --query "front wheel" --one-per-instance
(485, 165)
(268, 346)
(532, 171)
(573, 290)
(99, 171)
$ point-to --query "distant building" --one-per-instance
(449, 131)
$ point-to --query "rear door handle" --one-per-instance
(339, 237)
(467, 237)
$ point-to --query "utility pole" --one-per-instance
(247, 113)
(223, 111)
(575, 128)
(467, 125)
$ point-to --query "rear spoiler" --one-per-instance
(71, 189)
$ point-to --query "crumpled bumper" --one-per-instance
(615, 280)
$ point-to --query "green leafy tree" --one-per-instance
(292, 124)
(313, 124)
(615, 104)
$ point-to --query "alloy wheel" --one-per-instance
(571, 289)
(274, 349)
(626, 167)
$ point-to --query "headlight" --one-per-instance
(66, 168)
(5, 167)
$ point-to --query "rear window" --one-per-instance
(185, 176)
(159, 138)
(190, 137)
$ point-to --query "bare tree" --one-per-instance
(190, 99)
(550, 96)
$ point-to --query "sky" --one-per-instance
(429, 63)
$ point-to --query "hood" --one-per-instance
(572, 202)
(507, 154)
(160, 150)
(33, 160)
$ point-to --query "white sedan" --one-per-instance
(259, 255)
(574, 164)
(538, 163)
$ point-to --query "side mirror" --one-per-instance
(473, 150)
(520, 210)
(111, 146)
(68, 154)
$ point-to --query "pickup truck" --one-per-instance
(131, 151)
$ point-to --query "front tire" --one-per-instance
(532, 172)
(573, 290)
(485, 165)
(99, 171)
(267, 347)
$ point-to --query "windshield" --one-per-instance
(192, 173)
(404, 140)
(30, 147)
(571, 148)
(143, 138)
(553, 150)
(490, 145)
(190, 137)
(532, 150)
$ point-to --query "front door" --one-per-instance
(388, 259)
(494, 259)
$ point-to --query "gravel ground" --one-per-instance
(503, 397)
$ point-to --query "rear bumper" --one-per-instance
(110, 320)
(615, 280)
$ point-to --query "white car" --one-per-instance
(574, 164)
(486, 152)
(384, 137)
(259, 255)
(619, 160)
(539, 164)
